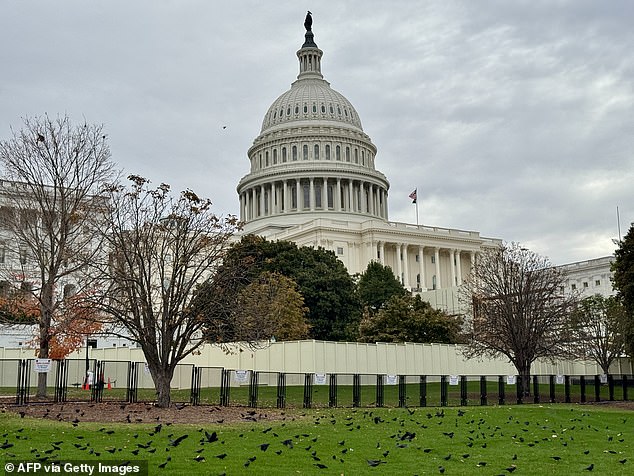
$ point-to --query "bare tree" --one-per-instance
(598, 330)
(55, 171)
(160, 248)
(516, 308)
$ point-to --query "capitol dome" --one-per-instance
(310, 100)
(311, 158)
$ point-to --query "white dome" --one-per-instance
(310, 99)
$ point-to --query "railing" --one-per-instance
(220, 386)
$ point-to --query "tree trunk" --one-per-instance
(43, 354)
(525, 376)
(162, 384)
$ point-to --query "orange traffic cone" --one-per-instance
(109, 385)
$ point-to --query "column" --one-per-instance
(371, 199)
(324, 193)
(350, 202)
(399, 263)
(285, 197)
(253, 203)
(458, 268)
(298, 194)
(382, 252)
(406, 268)
(311, 194)
(437, 260)
(421, 267)
(452, 267)
(337, 196)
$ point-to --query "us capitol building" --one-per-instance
(313, 181)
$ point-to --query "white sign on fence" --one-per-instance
(510, 380)
(43, 365)
(603, 378)
(453, 380)
(559, 379)
(241, 376)
(390, 380)
(320, 379)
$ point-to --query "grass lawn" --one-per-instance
(527, 439)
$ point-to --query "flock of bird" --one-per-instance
(467, 431)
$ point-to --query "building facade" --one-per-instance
(589, 277)
(313, 181)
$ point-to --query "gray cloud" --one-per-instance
(512, 118)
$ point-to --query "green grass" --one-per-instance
(401, 441)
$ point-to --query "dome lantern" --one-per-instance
(309, 55)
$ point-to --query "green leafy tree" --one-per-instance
(376, 285)
(323, 281)
(598, 330)
(271, 306)
(404, 318)
(623, 282)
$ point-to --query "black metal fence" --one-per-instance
(97, 381)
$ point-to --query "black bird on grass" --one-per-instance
(375, 462)
(589, 468)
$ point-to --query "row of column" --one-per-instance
(321, 193)
(402, 271)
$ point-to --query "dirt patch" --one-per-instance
(142, 413)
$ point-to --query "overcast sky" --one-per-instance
(511, 118)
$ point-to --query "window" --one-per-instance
(417, 258)
(433, 259)
(305, 108)
(327, 152)
(316, 152)
(347, 154)
(294, 153)
(23, 256)
(433, 282)
(330, 197)
(283, 154)
(266, 159)
(340, 251)
(274, 156)
(573, 287)
(596, 283)
(305, 152)
(338, 153)
(3, 252)
(293, 196)
(318, 195)
(585, 284)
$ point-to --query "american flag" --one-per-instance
(413, 196)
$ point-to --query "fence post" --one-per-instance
(132, 384)
(194, 397)
(483, 390)
(551, 384)
(624, 384)
(582, 384)
(402, 391)
(519, 389)
(23, 390)
(463, 390)
(535, 389)
(96, 392)
(308, 391)
(443, 390)
(597, 388)
(61, 381)
(501, 390)
(611, 387)
(379, 391)
(281, 390)
(356, 390)
(253, 389)
(567, 388)
(423, 390)
(225, 387)
(332, 390)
